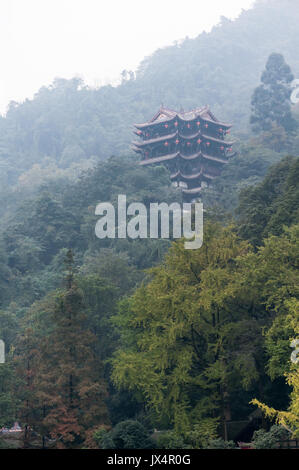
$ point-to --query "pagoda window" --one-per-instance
(221, 151)
(187, 148)
(154, 152)
(207, 146)
(157, 151)
(147, 154)
(164, 129)
(220, 133)
(188, 129)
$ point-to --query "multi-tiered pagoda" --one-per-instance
(191, 144)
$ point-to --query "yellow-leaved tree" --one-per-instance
(289, 418)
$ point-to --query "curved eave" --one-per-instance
(159, 159)
(219, 141)
(163, 138)
(183, 120)
(200, 113)
(192, 191)
(171, 156)
(155, 123)
(218, 123)
(209, 177)
(136, 149)
(215, 159)
(183, 177)
(193, 156)
(177, 134)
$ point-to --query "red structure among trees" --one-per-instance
(191, 144)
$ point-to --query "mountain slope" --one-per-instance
(69, 123)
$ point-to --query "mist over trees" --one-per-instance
(70, 123)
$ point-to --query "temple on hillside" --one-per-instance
(191, 144)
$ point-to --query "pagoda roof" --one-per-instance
(191, 177)
(164, 158)
(215, 159)
(144, 143)
(193, 156)
(183, 177)
(166, 115)
(136, 149)
(220, 141)
(172, 156)
(192, 191)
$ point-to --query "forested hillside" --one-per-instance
(68, 123)
(191, 335)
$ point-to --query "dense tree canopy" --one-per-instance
(272, 204)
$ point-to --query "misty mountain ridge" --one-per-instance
(71, 123)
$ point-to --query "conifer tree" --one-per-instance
(71, 386)
(27, 358)
(271, 100)
(7, 402)
(67, 382)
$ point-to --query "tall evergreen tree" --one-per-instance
(271, 100)
(65, 375)
(27, 359)
(72, 390)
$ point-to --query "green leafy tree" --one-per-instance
(289, 418)
(266, 208)
(126, 435)
(221, 444)
(268, 440)
(186, 341)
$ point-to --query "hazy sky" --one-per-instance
(95, 39)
